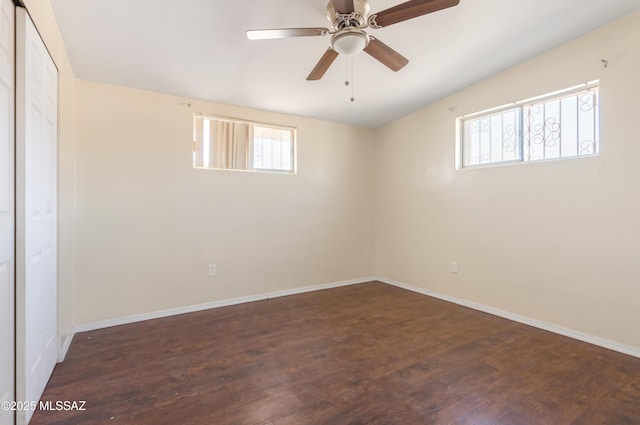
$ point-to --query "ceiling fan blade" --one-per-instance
(285, 33)
(409, 10)
(321, 67)
(385, 54)
(343, 6)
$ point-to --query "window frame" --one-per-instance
(521, 105)
(294, 143)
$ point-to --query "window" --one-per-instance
(232, 144)
(272, 148)
(559, 125)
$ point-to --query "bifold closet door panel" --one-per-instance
(36, 214)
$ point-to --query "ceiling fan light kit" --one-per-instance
(349, 19)
(349, 41)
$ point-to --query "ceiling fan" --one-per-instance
(349, 19)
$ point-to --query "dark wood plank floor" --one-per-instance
(364, 354)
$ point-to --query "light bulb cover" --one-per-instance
(350, 42)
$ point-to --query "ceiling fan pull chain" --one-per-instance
(346, 76)
(352, 80)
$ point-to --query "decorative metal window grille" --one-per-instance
(560, 125)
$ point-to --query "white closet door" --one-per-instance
(36, 217)
(7, 205)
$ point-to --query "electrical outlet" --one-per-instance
(212, 269)
(454, 267)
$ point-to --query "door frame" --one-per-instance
(7, 244)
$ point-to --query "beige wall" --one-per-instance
(42, 15)
(148, 224)
(555, 241)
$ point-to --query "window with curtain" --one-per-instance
(233, 144)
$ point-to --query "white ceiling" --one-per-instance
(197, 49)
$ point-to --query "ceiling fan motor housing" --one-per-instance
(357, 18)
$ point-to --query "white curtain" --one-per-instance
(222, 144)
(231, 140)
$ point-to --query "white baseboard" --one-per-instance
(214, 304)
(64, 346)
(602, 342)
(591, 339)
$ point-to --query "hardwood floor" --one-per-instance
(364, 354)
